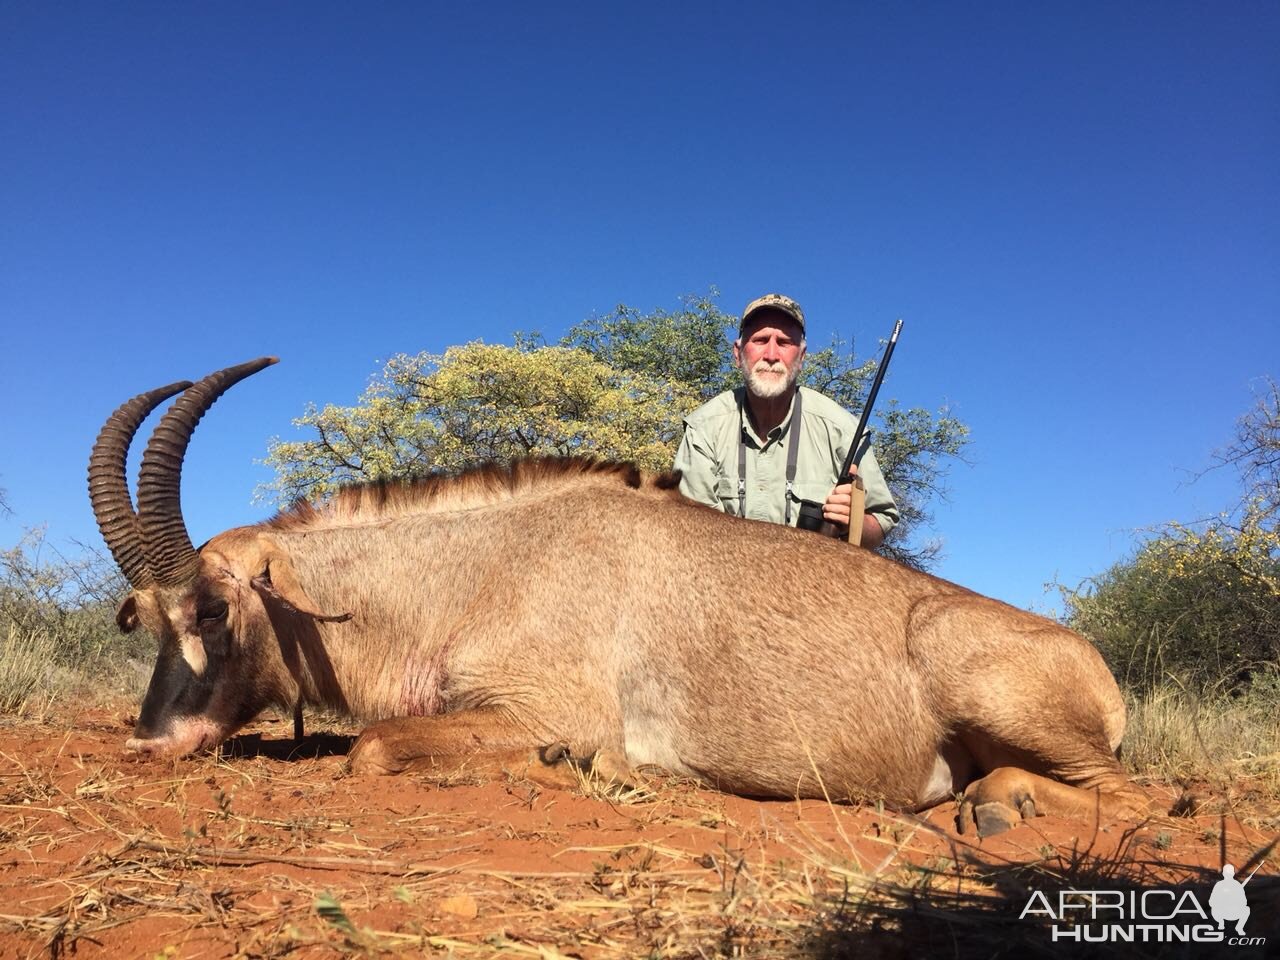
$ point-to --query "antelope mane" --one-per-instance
(382, 500)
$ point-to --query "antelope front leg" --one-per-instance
(482, 742)
(1006, 795)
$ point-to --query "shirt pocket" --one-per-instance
(815, 492)
(727, 494)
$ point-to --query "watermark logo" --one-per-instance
(1228, 900)
(1147, 916)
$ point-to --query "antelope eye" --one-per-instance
(211, 611)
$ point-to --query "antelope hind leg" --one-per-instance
(999, 800)
(477, 742)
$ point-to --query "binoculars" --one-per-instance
(811, 518)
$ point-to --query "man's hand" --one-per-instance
(838, 503)
(836, 509)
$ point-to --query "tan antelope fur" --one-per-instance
(587, 611)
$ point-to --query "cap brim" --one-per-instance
(746, 317)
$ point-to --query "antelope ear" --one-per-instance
(127, 615)
(279, 580)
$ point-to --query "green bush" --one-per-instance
(1201, 609)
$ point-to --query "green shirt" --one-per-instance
(708, 459)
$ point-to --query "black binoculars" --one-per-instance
(811, 518)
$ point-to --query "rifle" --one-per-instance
(811, 517)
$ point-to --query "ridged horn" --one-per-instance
(109, 483)
(172, 558)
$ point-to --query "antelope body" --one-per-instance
(590, 608)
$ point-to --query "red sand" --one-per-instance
(257, 855)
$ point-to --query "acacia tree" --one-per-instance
(616, 386)
(690, 346)
(478, 403)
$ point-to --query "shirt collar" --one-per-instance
(777, 433)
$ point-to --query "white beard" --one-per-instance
(766, 385)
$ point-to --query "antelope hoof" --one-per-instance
(376, 755)
(993, 818)
(611, 767)
(556, 752)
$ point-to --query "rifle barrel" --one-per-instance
(847, 470)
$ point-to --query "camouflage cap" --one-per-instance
(773, 301)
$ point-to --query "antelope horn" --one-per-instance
(109, 484)
(173, 559)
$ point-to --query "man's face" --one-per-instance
(770, 353)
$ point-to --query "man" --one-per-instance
(739, 447)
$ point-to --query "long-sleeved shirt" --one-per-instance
(708, 459)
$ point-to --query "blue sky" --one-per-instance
(1074, 207)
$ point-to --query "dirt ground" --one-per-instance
(274, 849)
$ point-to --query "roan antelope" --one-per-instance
(568, 609)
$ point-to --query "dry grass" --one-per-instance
(26, 658)
(41, 672)
(1175, 737)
